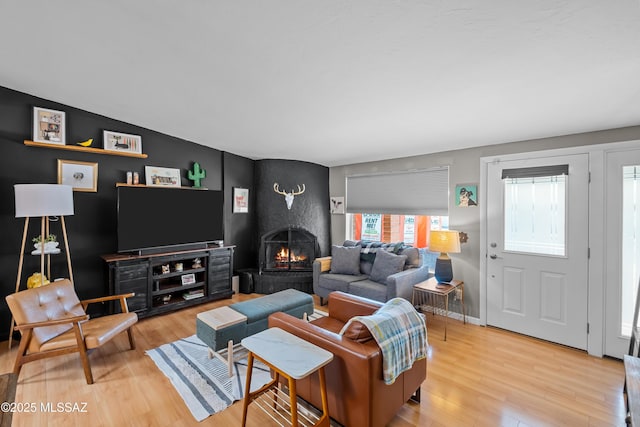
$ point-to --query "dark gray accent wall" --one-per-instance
(92, 230)
(310, 210)
(240, 227)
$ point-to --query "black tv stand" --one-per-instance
(170, 280)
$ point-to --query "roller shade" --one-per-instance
(413, 193)
(536, 172)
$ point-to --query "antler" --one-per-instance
(277, 189)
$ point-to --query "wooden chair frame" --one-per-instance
(26, 330)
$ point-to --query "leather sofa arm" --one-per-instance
(352, 352)
(343, 306)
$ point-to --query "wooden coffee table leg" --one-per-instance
(230, 357)
(294, 401)
(324, 419)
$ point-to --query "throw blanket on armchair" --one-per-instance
(401, 334)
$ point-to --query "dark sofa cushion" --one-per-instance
(345, 260)
(385, 265)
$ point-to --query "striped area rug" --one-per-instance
(203, 383)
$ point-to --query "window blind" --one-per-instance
(413, 193)
(536, 172)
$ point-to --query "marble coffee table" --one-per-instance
(290, 357)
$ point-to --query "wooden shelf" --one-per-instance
(124, 184)
(84, 149)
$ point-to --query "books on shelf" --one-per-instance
(196, 293)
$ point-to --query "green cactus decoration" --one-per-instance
(196, 175)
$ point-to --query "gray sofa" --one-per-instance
(372, 270)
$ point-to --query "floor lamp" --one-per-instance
(43, 201)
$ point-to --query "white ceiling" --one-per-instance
(333, 81)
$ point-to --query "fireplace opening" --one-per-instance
(289, 249)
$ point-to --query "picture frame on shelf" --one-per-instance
(162, 177)
(81, 176)
(188, 279)
(123, 142)
(49, 126)
(240, 200)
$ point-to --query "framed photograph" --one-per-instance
(162, 177)
(114, 141)
(337, 205)
(82, 176)
(466, 195)
(240, 200)
(188, 279)
(49, 126)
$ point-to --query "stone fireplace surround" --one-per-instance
(309, 213)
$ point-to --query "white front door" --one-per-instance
(622, 247)
(537, 247)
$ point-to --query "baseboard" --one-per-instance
(428, 310)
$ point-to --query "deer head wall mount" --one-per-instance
(288, 197)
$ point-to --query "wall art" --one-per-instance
(162, 177)
(114, 141)
(49, 126)
(466, 195)
(82, 176)
(337, 205)
(240, 200)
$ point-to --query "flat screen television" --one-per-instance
(151, 219)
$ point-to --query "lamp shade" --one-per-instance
(447, 241)
(33, 200)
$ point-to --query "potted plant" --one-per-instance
(50, 242)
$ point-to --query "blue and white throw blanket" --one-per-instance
(401, 334)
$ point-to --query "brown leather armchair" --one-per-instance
(53, 322)
(356, 390)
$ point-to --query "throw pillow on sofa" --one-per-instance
(385, 265)
(345, 260)
(358, 332)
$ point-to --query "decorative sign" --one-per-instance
(240, 200)
(409, 229)
(372, 227)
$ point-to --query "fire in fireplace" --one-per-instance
(288, 249)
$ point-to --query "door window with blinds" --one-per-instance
(397, 207)
(535, 210)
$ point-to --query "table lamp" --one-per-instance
(445, 242)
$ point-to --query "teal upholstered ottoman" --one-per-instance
(257, 310)
(221, 327)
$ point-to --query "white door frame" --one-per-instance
(596, 295)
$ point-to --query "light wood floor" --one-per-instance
(479, 377)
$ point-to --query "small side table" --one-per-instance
(294, 359)
(218, 324)
(431, 288)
